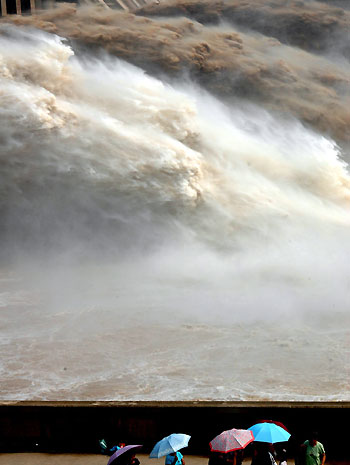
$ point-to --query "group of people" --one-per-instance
(312, 453)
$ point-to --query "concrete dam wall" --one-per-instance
(77, 426)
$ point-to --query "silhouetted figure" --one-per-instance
(235, 457)
(263, 454)
(217, 458)
(133, 460)
(282, 457)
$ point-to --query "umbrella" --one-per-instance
(121, 451)
(269, 432)
(278, 423)
(169, 444)
(230, 440)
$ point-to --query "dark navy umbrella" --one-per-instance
(122, 451)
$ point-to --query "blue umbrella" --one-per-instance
(169, 444)
(269, 432)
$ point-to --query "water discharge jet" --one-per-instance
(224, 59)
(142, 217)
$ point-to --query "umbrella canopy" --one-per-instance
(122, 451)
(278, 423)
(169, 444)
(269, 432)
(230, 440)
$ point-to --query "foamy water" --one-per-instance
(161, 244)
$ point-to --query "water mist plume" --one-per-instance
(153, 236)
(132, 144)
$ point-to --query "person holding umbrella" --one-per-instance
(265, 435)
(169, 447)
(175, 458)
(227, 447)
(125, 456)
(217, 458)
(282, 457)
(263, 454)
(133, 460)
(235, 457)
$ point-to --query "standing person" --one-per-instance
(127, 459)
(263, 455)
(314, 451)
(134, 460)
(120, 445)
(282, 457)
(235, 457)
(175, 458)
(216, 458)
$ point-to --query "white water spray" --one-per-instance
(151, 226)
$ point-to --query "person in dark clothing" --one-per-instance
(217, 458)
(263, 454)
(235, 457)
(134, 460)
(128, 459)
(282, 457)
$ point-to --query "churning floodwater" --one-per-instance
(165, 241)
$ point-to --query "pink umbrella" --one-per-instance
(231, 440)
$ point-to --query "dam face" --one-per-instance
(76, 427)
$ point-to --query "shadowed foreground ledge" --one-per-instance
(76, 426)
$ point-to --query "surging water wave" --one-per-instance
(205, 231)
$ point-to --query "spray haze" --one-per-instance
(143, 214)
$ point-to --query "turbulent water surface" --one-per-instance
(175, 203)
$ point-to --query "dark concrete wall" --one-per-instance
(77, 426)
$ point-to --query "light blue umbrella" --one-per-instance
(169, 444)
(269, 432)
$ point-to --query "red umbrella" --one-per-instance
(231, 440)
(278, 423)
(121, 451)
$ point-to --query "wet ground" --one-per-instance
(88, 459)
